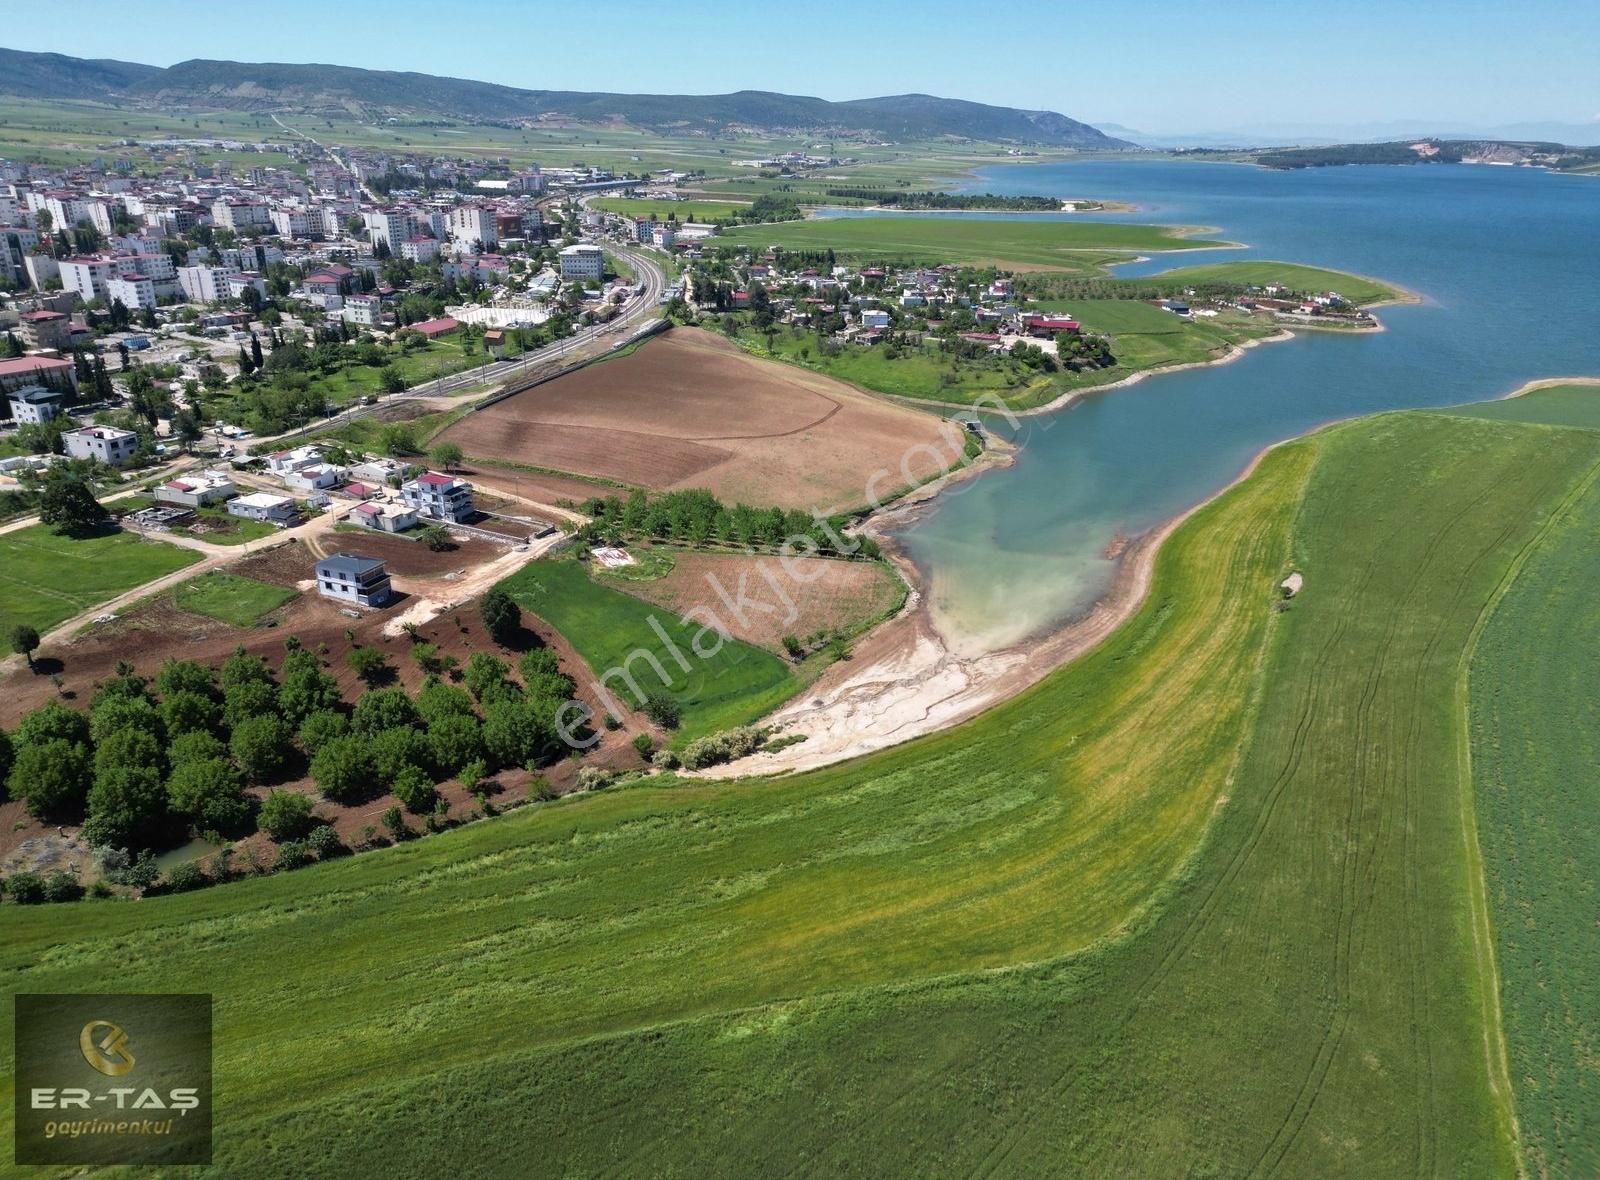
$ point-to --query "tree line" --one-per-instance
(942, 200)
(696, 517)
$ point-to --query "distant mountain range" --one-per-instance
(378, 94)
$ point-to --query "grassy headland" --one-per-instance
(1014, 243)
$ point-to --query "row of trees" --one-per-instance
(697, 517)
(942, 200)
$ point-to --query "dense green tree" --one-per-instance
(7, 754)
(482, 672)
(415, 789)
(195, 746)
(454, 741)
(261, 747)
(67, 505)
(285, 815)
(113, 714)
(186, 676)
(320, 728)
(52, 777)
(307, 689)
(448, 455)
(241, 667)
(436, 699)
(186, 712)
(127, 806)
(501, 615)
(516, 731)
(211, 796)
(52, 720)
(25, 641)
(343, 769)
(252, 698)
(381, 709)
(370, 664)
(393, 750)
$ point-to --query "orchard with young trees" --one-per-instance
(153, 762)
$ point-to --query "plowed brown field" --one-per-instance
(688, 409)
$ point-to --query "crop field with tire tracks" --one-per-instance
(1202, 902)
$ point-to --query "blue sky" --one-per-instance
(1151, 65)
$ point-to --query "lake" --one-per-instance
(1507, 259)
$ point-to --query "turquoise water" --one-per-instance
(1508, 261)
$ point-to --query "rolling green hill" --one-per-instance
(345, 90)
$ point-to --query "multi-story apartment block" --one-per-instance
(471, 225)
(136, 292)
(582, 261)
(205, 284)
(391, 227)
(238, 214)
(87, 277)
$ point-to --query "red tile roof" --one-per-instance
(30, 364)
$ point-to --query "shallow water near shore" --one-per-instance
(1508, 263)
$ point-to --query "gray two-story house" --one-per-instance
(350, 577)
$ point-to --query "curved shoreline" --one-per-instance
(913, 684)
(1543, 383)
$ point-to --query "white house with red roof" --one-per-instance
(196, 490)
(388, 518)
(441, 497)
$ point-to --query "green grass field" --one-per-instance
(1556, 405)
(1356, 288)
(45, 579)
(738, 684)
(1202, 902)
(1016, 243)
(230, 598)
(919, 373)
(696, 210)
(1534, 750)
(1145, 337)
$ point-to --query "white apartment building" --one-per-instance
(296, 223)
(243, 281)
(136, 292)
(582, 261)
(239, 214)
(87, 277)
(472, 225)
(419, 249)
(33, 404)
(106, 444)
(205, 284)
(391, 227)
(159, 267)
(363, 310)
(65, 211)
(101, 214)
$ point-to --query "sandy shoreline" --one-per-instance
(904, 681)
(1546, 383)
